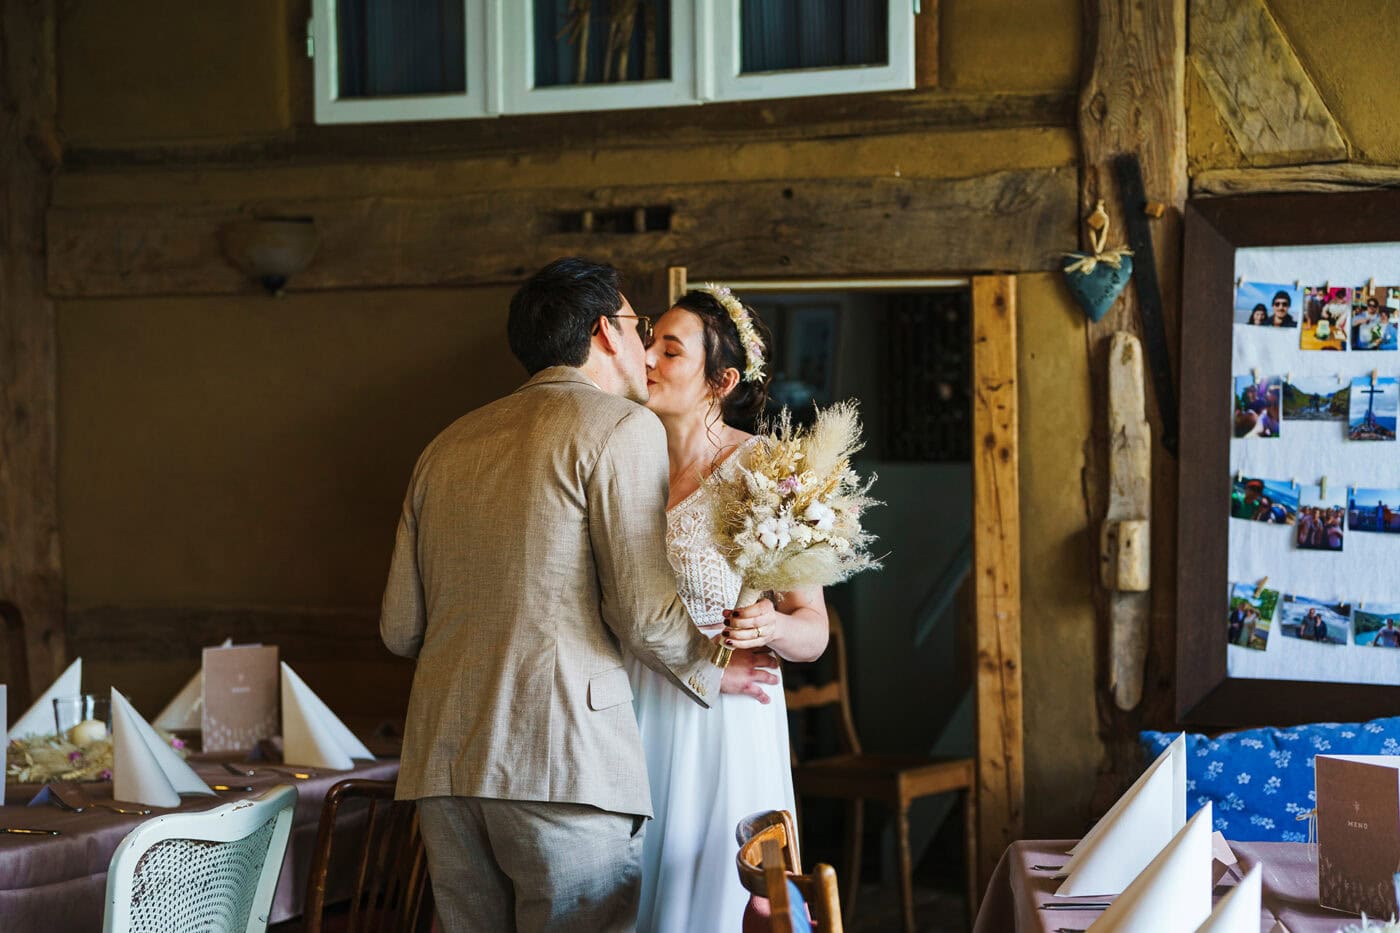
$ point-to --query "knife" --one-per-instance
(30, 832)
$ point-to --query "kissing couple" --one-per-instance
(581, 664)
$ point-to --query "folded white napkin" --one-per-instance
(1175, 754)
(144, 768)
(1132, 832)
(183, 711)
(1238, 911)
(313, 736)
(38, 719)
(1172, 894)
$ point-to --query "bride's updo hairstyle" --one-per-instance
(724, 349)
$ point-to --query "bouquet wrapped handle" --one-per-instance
(747, 597)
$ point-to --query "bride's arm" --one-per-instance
(796, 628)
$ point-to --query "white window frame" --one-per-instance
(725, 82)
(475, 102)
(705, 60)
(516, 72)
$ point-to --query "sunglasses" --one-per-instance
(645, 327)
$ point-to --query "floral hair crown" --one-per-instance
(743, 323)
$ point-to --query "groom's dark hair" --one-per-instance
(552, 314)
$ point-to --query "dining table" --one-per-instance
(57, 883)
(1020, 897)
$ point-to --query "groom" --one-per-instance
(530, 552)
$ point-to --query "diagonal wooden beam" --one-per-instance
(31, 583)
(1264, 95)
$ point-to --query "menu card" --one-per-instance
(1358, 832)
(241, 691)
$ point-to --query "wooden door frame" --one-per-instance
(996, 564)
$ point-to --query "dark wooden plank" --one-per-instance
(123, 633)
(835, 117)
(31, 580)
(1202, 545)
(1004, 221)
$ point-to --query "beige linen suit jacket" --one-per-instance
(530, 551)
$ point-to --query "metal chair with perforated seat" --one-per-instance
(213, 871)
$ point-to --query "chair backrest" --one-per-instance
(214, 871)
(751, 833)
(834, 692)
(797, 903)
(768, 860)
(391, 892)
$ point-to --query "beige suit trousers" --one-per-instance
(500, 865)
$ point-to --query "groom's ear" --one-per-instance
(610, 338)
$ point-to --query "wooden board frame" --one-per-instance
(1215, 229)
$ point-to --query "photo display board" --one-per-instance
(1314, 509)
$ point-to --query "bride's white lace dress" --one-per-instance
(708, 768)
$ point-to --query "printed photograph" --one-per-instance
(1321, 521)
(1377, 626)
(1314, 620)
(1268, 305)
(1257, 406)
(1373, 318)
(1374, 510)
(1373, 409)
(1316, 399)
(1250, 616)
(1264, 500)
(1325, 315)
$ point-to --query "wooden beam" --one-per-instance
(996, 570)
(1296, 179)
(1008, 220)
(1133, 101)
(31, 581)
(926, 46)
(1265, 98)
(125, 633)
(739, 123)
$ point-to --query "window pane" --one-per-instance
(786, 35)
(621, 40)
(398, 47)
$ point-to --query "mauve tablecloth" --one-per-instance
(58, 884)
(1012, 901)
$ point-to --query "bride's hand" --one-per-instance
(753, 626)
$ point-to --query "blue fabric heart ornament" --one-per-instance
(1097, 280)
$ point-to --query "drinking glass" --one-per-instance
(70, 711)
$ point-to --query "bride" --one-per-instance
(709, 769)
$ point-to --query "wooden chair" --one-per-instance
(391, 892)
(769, 858)
(894, 780)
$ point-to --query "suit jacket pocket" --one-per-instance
(609, 689)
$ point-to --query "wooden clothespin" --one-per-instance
(1293, 482)
(1371, 286)
(1239, 476)
(1373, 378)
(1254, 374)
(1239, 283)
(1327, 288)
(1297, 283)
(1288, 376)
(1259, 589)
(1322, 488)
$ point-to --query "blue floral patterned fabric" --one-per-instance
(1260, 780)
